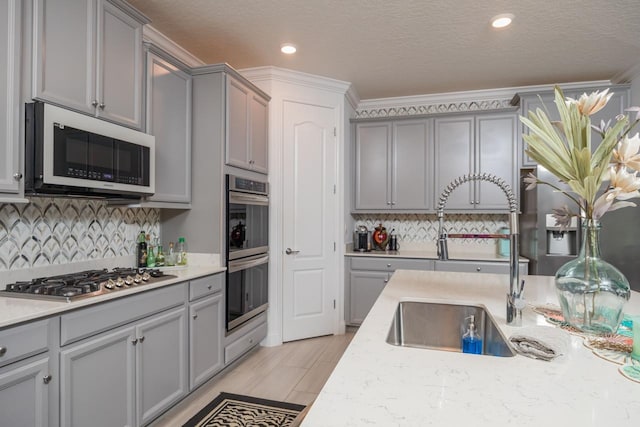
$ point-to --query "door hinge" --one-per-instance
(335, 132)
(334, 189)
(334, 304)
(334, 246)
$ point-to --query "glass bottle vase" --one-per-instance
(592, 292)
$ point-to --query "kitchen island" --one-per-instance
(376, 383)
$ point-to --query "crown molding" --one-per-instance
(628, 75)
(455, 102)
(155, 37)
(271, 73)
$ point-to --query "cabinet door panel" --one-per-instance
(237, 124)
(9, 94)
(373, 169)
(97, 381)
(169, 120)
(206, 326)
(119, 64)
(64, 52)
(411, 165)
(454, 156)
(496, 154)
(24, 396)
(365, 288)
(259, 137)
(161, 364)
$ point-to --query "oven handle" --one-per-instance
(244, 264)
(248, 199)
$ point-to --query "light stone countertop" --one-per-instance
(18, 310)
(378, 384)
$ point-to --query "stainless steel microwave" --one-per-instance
(67, 153)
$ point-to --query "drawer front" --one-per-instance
(237, 348)
(473, 267)
(205, 286)
(23, 341)
(390, 264)
(97, 318)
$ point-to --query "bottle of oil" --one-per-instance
(151, 256)
(181, 249)
(141, 259)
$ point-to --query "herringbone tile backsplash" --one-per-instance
(57, 231)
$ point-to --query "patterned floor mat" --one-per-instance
(233, 410)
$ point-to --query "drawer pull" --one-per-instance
(47, 379)
(3, 351)
(141, 339)
(388, 265)
(209, 287)
(134, 341)
(478, 269)
(195, 316)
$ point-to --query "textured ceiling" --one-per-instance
(397, 48)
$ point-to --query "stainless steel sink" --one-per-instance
(441, 326)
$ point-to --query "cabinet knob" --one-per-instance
(478, 268)
(195, 316)
(141, 339)
(388, 265)
(47, 379)
(388, 203)
(393, 203)
(101, 106)
(17, 176)
(134, 341)
(386, 280)
(3, 351)
(209, 287)
(94, 103)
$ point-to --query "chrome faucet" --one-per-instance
(515, 302)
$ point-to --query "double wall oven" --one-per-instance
(247, 224)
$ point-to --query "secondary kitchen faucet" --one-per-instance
(514, 298)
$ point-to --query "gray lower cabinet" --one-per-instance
(88, 57)
(10, 168)
(29, 375)
(206, 327)
(479, 267)
(140, 368)
(393, 166)
(24, 395)
(366, 279)
(169, 120)
(483, 143)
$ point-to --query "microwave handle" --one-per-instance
(244, 198)
(245, 264)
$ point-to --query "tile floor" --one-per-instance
(293, 372)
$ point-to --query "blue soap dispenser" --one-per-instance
(471, 342)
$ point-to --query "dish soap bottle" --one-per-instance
(471, 342)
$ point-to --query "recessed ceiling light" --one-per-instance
(502, 20)
(288, 48)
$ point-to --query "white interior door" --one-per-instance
(309, 219)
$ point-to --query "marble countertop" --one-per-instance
(17, 310)
(378, 384)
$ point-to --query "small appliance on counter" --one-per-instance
(380, 238)
(393, 242)
(362, 239)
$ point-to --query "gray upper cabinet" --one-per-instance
(545, 101)
(169, 120)
(393, 162)
(476, 144)
(88, 57)
(246, 126)
(10, 168)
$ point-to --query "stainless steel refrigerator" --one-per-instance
(548, 247)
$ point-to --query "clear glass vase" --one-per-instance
(592, 292)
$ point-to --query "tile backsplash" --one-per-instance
(58, 230)
(423, 228)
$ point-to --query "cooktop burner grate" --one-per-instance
(70, 287)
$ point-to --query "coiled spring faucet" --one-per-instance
(514, 298)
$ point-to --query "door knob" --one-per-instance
(289, 251)
(47, 379)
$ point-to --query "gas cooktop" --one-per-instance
(74, 286)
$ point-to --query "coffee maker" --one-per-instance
(362, 239)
